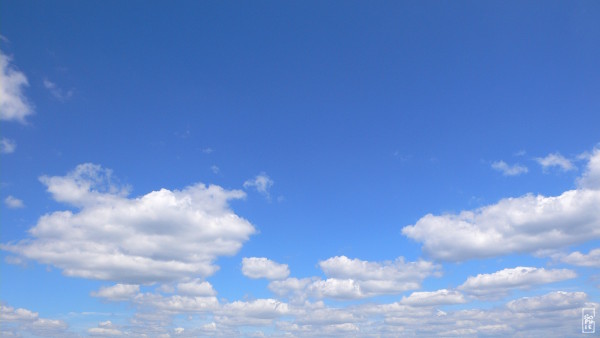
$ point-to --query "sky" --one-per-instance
(299, 168)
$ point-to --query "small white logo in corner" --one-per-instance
(588, 322)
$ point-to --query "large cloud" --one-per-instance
(164, 235)
(523, 224)
(13, 103)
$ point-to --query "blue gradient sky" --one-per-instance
(342, 124)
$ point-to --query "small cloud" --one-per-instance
(591, 259)
(207, 150)
(215, 169)
(520, 153)
(555, 160)
(14, 106)
(261, 267)
(13, 202)
(7, 146)
(509, 170)
(57, 92)
(184, 135)
(262, 183)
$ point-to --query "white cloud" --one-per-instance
(499, 283)
(551, 314)
(118, 292)
(555, 160)
(105, 329)
(439, 297)
(355, 278)
(196, 287)
(165, 235)
(591, 177)
(336, 288)
(291, 286)
(7, 146)
(553, 301)
(260, 267)
(14, 106)
(509, 170)
(18, 321)
(13, 202)
(176, 303)
(262, 183)
(10, 314)
(256, 312)
(57, 92)
(380, 277)
(592, 259)
(215, 169)
(523, 224)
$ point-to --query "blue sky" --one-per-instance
(299, 168)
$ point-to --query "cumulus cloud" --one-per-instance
(14, 106)
(256, 312)
(509, 170)
(513, 225)
(355, 278)
(416, 315)
(380, 277)
(262, 183)
(196, 287)
(291, 286)
(176, 303)
(14, 322)
(13, 202)
(434, 298)
(591, 177)
(119, 292)
(57, 92)
(499, 283)
(553, 301)
(165, 235)
(7, 146)
(105, 329)
(592, 259)
(555, 160)
(260, 267)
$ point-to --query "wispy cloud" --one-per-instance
(57, 92)
(555, 160)
(14, 106)
(7, 146)
(509, 170)
(262, 183)
(13, 202)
